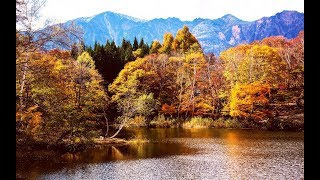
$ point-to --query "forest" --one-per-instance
(70, 97)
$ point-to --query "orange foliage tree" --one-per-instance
(250, 71)
(250, 101)
(168, 109)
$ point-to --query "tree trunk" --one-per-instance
(180, 96)
(24, 72)
(115, 134)
(211, 87)
(127, 110)
(193, 84)
(79, 95)
(107, 122)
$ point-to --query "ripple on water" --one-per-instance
(217, 158)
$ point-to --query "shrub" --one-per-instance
(162, 121)
(137, 121)
(219, 123)
(232, 123)
(198, 122)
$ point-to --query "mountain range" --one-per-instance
(214, 35)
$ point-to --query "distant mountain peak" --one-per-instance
(133, 18)
(229, 17)
(173, 18)
(113, 14)
(287, 12)
(214, 35)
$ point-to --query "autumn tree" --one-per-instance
(84, 65)
(185, 41)
(250, 101)
(167, 43)
(30, 39)
(186, 83)
(297, 65)
(125, 92)
(232, 59)
(77, 49)
(212, 86)
(191, 83)
(58, 112)
(155, 46)
(292, 52)
(250, 63)
(168, 109)
(253, 66)
(146, 105)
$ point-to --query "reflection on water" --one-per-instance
(176, 153)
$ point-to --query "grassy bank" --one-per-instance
(286, 123)
(199, 122)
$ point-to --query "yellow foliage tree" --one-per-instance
(185, 41)
(250, 100)
(167, 43)
(155, 46)
(249, 63)
(63, 96)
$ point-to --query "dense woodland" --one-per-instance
(66, 97)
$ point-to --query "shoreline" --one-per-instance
(105, 142)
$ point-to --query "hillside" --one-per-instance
(214, 35)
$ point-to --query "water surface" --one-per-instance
(176, 153)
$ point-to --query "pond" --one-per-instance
(177, 153)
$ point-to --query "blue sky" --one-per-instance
(249, 10)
